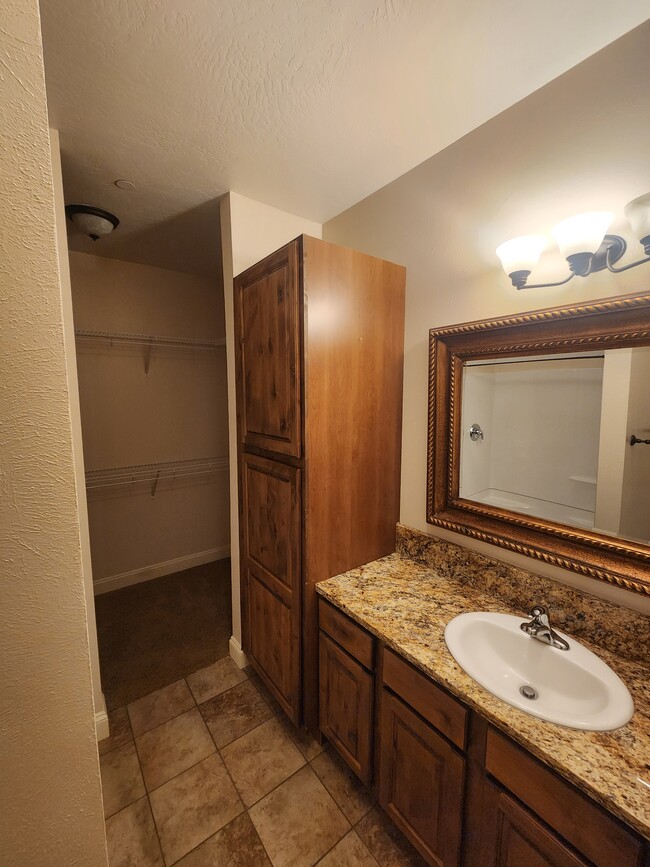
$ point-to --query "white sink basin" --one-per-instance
(573, 687)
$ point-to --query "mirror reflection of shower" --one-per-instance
(554, 438)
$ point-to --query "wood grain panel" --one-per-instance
(354, 333)
(421, 783)
(576, 818)
(346, 705)
(512, 836)
(347, 633)
(439, 708)
(267, 322)
(271, 570)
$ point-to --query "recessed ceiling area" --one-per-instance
(306, 105)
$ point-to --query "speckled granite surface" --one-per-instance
(407, 599)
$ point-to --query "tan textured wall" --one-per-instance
(550, 156)
(178, 411)
(50, 797)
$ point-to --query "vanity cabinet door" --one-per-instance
(346, 699)
(421, 782)
(513, 836)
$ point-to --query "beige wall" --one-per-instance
(580, 143)
(176, 411)
(249, 231)
(50, 796)
(101, 718)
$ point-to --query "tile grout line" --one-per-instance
(146, 794)
(218, 751)
(245, 810)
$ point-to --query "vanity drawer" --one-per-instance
(446, 714)
(575, 817)
(351, 637)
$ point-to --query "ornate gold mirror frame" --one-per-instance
(613, 323)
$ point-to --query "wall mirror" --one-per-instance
(539, 436)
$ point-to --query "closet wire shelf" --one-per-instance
(148, 341)
(154, 473)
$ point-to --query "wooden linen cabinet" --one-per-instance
(319, 361)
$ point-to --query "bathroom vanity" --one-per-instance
(469, 779)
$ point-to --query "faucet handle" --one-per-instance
(539, 612)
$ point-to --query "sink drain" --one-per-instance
(528, 692)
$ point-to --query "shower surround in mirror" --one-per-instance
(554, 438)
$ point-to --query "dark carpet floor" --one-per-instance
(154, 633)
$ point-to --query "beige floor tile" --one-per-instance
(299, 822)
(350, 852)
(347, 790)
(308, 745)
(236, 845)
(266, 695)
(218, 677)
(132, 839)
(158, 707)
(235, 712)
(173, 747)
(262, 759)
(121, 778)
(120, 732)
(386, 843)
(194, 806)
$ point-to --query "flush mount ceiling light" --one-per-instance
(583, 243)
(93, 222)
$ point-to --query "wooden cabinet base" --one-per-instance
(512, 835)
(421, 783)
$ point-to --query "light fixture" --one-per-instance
(93, 222)
(519, 256)
(583, 243)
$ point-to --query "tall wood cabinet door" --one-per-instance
(512, 836)
(346, 699)
(421, 782)
(270, 542)
(268, 331)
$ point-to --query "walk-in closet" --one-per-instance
(150, 344)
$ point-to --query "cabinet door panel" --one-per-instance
(346, 696)
(421, 782)
(267, 324)
(512, 836)
(270, 536)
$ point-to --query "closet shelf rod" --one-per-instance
(153, 472)
(149, 339)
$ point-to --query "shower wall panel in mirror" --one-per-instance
(556, 438)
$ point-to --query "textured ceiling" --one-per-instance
(308, 105)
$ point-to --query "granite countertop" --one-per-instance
(407, 605)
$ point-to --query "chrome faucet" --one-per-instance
(540, 628)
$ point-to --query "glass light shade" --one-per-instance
(520, 254)
(583, 233)
(93, 225)
(638, 215)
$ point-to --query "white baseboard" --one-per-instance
(101, 721)
(236, 653)
(158, 570)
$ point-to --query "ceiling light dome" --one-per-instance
(91, 221)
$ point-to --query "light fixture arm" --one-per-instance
(646, 246)
(520, 283)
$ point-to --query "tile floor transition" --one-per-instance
(207, 772)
